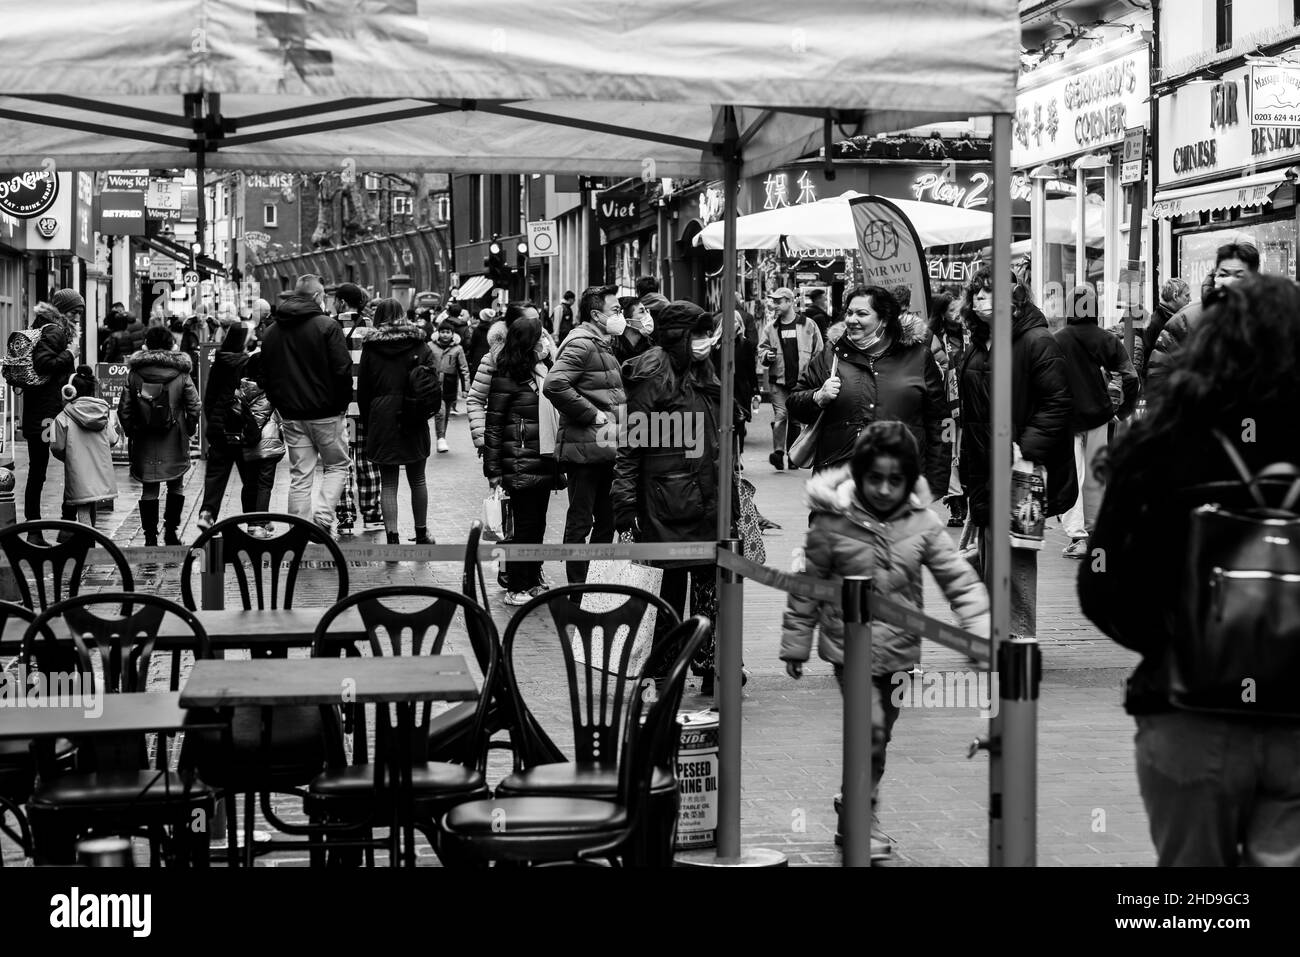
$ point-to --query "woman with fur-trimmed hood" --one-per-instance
(395, 439)
(883, 371)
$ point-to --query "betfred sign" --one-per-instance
(121, 214)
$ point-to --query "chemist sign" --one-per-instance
(1275, 95)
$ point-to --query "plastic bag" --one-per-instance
(498, 517)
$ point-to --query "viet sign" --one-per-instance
(1274, 95)
(542, 239)
(891, 252)
(28, 195)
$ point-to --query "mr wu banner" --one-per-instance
(890, 250)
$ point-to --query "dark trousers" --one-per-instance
(38, 463)
(528, 505)
(883, 715)
(591, 510)
(699, 583)
(257, 476)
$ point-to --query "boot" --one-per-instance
(394, 538)
(172, 519)
(422, 536)
(68, 514)
(149, 521)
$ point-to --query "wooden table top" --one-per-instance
(105, 714)
(305, 681)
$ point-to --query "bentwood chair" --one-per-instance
(538, 830)
(46, 574)
(17, 763)
(361, 794)
(113, 787)
(302, 741)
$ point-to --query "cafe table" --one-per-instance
(403, 681)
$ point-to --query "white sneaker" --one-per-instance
(442, 446)
(517, 598)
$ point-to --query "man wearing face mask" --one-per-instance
(586, 388)
(635, 339)
(308, 374)
(1233, 262)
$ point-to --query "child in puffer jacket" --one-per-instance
(870, 518)
(453, 372)
(83, 437)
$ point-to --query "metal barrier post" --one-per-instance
(855, 818)
(1020, 669)
(730, 648)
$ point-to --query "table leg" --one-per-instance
(406, 793)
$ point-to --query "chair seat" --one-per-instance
(357, 781)
(575, 779)
(505, 818)
(117, 788)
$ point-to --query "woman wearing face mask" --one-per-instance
(666, 472)
(881, 373)
(1040, 400)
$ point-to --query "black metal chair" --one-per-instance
(361, 793)
(113, 787)
(542, 830)
(598, 686)
(59, 565)
(17, 763)
(447, 730)
(302, 742)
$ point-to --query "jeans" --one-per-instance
(388, 475)
(450, 388)
(528, 505)
(883, 715)
(1220, 792)
(257, 477)
(591, 510)
(38, 463)
(310, 441)
(785, 430)
(1024, 585)
(1082, 516)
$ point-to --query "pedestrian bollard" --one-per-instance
(855, 817)
(105, 852)
(1020, 669)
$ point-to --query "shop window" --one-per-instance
(403, 206)
(442, 209)
(1222, 24)
(269, 215)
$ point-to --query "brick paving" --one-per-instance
(933, 798)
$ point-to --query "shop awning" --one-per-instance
(473, 287)
(1246, 191)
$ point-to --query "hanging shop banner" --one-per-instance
(616, 209)
(1275, 95)
(126, 179)
(1081, 105)
(28, 195)
(54, 231)
(891, 252)
(121, 213)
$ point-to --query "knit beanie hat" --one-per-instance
(66, 300)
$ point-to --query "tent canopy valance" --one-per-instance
(486, 85)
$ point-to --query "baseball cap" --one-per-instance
(781, 293)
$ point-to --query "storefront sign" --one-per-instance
(1205, 133)
(617, 210)
(84, 241)
(121, 213)
(1082, 106)
(269, 180)
(28, 195)
(1275, 95)
(54, 232)
(126, 179)
(163, 194)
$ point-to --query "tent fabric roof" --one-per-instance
(456, 85)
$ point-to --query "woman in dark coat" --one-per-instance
(512, 454)
(52, 357)
(160, 455)
(394, 436)
(666, 472)
(883, 373)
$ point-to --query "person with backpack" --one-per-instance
(1212, 615)
(159, 411)
(85, 433)
(39, 361)
(231, 432)
(398, 391)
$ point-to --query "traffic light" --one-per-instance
(495, 265)
(196, 249)
(521, 258)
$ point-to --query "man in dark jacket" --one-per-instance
(1091, 357)
(1233, 262)
(564, 325)
(308, 372)
(586, 388)
(54, 357)
(1174, 295)
(816, 310)
(647, 290)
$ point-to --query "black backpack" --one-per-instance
(154, 408)
(423, 392)
(1236, 644)
(235, 421)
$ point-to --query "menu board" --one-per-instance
(111, 378)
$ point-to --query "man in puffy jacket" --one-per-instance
(586, 388)
(1091, 357)
(308, 375)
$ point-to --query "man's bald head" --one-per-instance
(261, 309)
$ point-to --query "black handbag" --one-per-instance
(1236, 645)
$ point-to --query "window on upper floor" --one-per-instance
(1222, 24)
(269, 215)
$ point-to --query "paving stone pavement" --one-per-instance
(933, 799)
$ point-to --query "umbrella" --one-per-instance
(828, 224)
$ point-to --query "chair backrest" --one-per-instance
(597, 649)
(472, 582)
(246, 554)
(12, 611)
(435, 616)
(40, 571)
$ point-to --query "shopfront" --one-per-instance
(1219, 179)
(1071, 122)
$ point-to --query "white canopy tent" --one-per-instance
(711, 89)
(828, 224)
